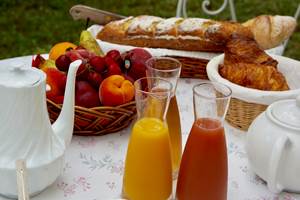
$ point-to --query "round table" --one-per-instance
(94, 166)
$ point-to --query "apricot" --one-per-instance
(116, 90)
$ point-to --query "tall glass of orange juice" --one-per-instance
(203, 170)
(148, 165)
(169, 69)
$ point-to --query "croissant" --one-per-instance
(246, 50)
(257, 76)
(247, 65)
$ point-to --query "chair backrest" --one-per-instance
(181, 12)
(181, 8)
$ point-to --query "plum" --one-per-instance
(135, 63)
(95, 79)
(85, 95)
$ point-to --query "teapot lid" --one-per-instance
(287, 112)
(19, 76)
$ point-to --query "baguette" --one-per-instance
(192, 34)
(271, 31)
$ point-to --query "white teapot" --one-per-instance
(273, 145)
(25, 128)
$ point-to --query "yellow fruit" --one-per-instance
(60, 49)
(48, 64)
(87, 41)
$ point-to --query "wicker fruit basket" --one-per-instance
(104, 120)
(99, 120)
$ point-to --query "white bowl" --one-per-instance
(288, 67)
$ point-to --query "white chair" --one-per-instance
(181, 12)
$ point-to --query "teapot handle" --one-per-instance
(274, 164)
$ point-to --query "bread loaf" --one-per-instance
(173, 33)
(196, 34)
(270, 31)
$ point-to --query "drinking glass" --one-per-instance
(203, 170)
(169, 69)
(148, 165)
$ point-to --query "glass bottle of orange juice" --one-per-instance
(169, 69)
(204, 170)
(148, 165)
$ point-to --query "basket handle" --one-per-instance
(96, 15)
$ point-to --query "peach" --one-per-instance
(116, 90)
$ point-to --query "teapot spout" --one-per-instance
(63, 126)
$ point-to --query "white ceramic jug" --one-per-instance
(25, 129)
(273, 145)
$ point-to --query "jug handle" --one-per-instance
(276, 156)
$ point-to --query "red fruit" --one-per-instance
(112, 67)
(85, 53)
(108, 60)
(56, 80)
(116, 56)
(95, 79)
(82, 72)
(98, 63)
(135, 60)
(128, 78)
(85, 95)
(74, 55)
(37, 61)
(63, 63)
(80, 47)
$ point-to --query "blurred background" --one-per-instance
(33, 26)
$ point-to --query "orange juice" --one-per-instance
(173, 120)
(148, 165)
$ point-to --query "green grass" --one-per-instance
(30, 27)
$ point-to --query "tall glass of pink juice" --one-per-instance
(204, 169)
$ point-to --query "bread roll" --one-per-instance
(271, 31)
(173, 33)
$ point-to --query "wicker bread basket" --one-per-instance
(103, 120)
(240, 113)
(246, 104)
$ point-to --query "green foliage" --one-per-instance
(31, 26)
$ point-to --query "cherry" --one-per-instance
(98, 64)
(63, 63)
(116, 56)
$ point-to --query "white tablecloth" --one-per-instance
(94, 165)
